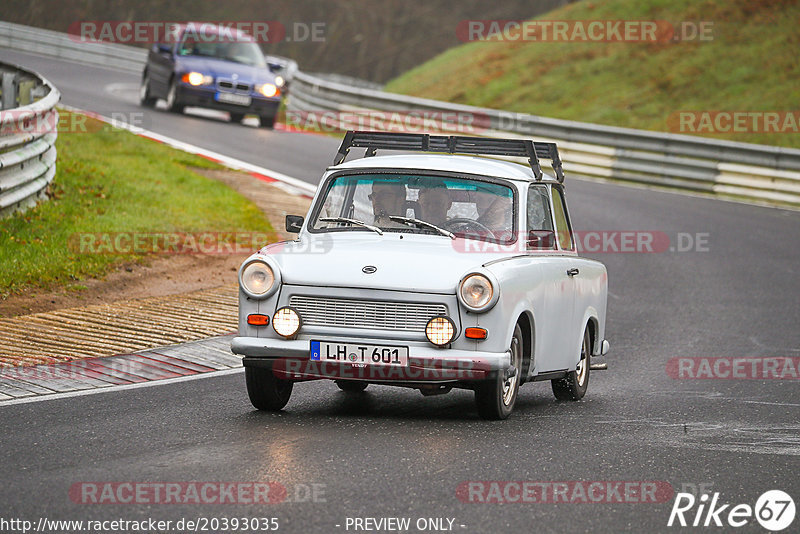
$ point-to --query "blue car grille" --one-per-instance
(230, 86)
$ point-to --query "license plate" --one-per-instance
(230, 98)
(358, 354)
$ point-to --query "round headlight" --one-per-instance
(440, 330)
(269, 90)
(286, 322)
(195, 78)
(257, 278)
(476, 291)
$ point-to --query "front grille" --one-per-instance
(383, 315)
(231, 86)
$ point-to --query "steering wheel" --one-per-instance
(463, 224)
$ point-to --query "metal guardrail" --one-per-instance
(60, 45)
(725, 168)
(28, 131)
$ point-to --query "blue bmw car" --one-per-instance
(212, 70)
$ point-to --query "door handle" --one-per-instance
(573, 271)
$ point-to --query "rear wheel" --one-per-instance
(495, 398)
(145, 97)
(573, 386)
(172, 99)
(351, 386)
(266, 391)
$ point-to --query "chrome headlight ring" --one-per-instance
(259, 277)
(478, 291)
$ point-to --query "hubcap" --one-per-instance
(511, 383)
(582, 367)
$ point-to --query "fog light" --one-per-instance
(440, 330)
(475, 333)
(286, 322)
(257, 319)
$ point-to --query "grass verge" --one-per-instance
(750, 64)
(113, 181)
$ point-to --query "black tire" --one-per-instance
(495, 398)
(351, 386)
(267, 121)
(266, 391)
(172, 99)
(573, 386)
(146, 98)
(236, 117)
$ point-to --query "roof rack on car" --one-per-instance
(453, 144)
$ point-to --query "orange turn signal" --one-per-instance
(475, 333)
(256, 319)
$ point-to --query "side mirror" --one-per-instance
(541, 239)
(294, 223)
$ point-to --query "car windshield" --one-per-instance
(418, 203)
(245, 52)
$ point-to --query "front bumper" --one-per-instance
(204, 97)
(425, 363)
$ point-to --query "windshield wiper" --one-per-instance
(424, 224)
(352, 221)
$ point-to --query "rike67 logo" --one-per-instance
(774, 510)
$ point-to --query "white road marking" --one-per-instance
(162, 382)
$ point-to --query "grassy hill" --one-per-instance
(752, 63)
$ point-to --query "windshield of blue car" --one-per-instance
(244, 52)
(472, 208)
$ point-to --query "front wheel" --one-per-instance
(573, 386)
(496, 397)
(267, 121)
(145, 96)
(172, 99)
(237, 117)
(266, 391)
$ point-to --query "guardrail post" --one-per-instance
(9, 90)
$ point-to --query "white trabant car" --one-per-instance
(429, 271)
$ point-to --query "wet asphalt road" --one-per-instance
(393, 453)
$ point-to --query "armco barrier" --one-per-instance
(60, 45)
(27, 138)
(725, 168)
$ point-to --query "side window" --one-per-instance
(562, 223)
(540, 234)
(538, 211)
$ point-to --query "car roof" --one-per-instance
(209, 28)
(445, 162)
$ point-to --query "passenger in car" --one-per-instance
(387, 199)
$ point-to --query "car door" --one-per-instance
(161, 65)
(555, 328)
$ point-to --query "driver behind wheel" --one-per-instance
(434, 202)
